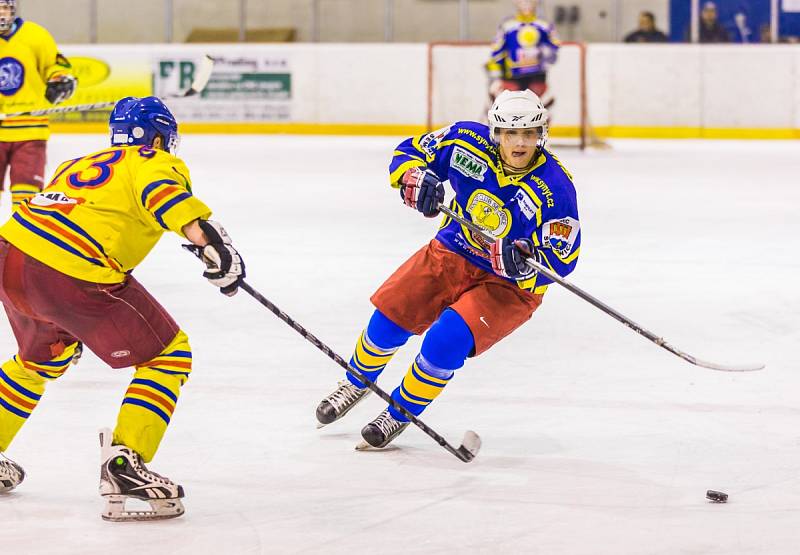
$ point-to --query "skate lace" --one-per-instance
(142, 470)
(344, 395)
(387, 424)
(7, 467)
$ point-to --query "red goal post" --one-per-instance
(458, 88)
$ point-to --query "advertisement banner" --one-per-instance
(248, 88)
(255, 87)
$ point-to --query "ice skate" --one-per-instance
(11, 474)
(381, 431)
(124, 476)
(338, 403)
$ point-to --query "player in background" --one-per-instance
(65, 261)
(463, 293)
(523, 51)
(31, 71)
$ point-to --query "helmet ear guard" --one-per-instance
(139, 121)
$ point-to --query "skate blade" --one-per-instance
(366, 447)
(160, 509)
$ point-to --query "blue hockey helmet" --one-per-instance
(138, 121)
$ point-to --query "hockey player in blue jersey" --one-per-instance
(523, 50)
(463, 292)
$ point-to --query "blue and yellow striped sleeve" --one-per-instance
(408, 154)
(164, 191)
(496, 64)
(423, 151)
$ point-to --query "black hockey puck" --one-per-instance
(717, 496)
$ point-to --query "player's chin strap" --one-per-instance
(202, 76)
(471, 443)
(547, 272)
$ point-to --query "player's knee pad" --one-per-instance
(175, 360)
(448, 342)
(56, 366)
(385, 334)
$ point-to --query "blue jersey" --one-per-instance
(523, 47)
(540, 204)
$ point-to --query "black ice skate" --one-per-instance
(381, 431)
(124, 476)
(11, 474)
(339, 403)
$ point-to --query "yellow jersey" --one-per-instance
(103, 213)
(28, 58)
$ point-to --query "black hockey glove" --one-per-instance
(421, 189)
(508, 258)
(60, 88)
(224, 266)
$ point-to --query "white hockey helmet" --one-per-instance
(526, 6)
(518, 110)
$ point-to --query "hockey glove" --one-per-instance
(421, 189)
(224, 266)
(60, 88)
(509, 255)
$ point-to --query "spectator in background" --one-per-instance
(647, 31)
(711, 30)
(765, 33)
(741, 30)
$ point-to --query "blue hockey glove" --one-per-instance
(508, 258)
(421, 189)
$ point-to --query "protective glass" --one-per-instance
(510, 138)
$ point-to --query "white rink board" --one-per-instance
(460, 84)
(596, 442)
(639, 86)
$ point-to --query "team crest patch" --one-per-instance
(468, 164)
(12, 75)
(487, 211)
(560, 235)
(429, 142)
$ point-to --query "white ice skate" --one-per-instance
(339, 403)
(11, 474)
(380, 432)
(123, 477)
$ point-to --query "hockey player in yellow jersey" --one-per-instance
(65, 261)
(33, 75)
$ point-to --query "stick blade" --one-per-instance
(202, 76)
(470, 446)
(754, 367)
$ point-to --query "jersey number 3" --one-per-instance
(96, 174)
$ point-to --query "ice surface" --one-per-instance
(595, 441)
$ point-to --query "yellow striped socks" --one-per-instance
(420, 386)
(151, 398)
(23, 192)
(369, 359)
(20, 392)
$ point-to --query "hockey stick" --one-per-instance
(471, 443)
(201, 78)
(547, 272)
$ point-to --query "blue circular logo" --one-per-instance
(12, 76)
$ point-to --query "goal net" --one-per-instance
(458, 88)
